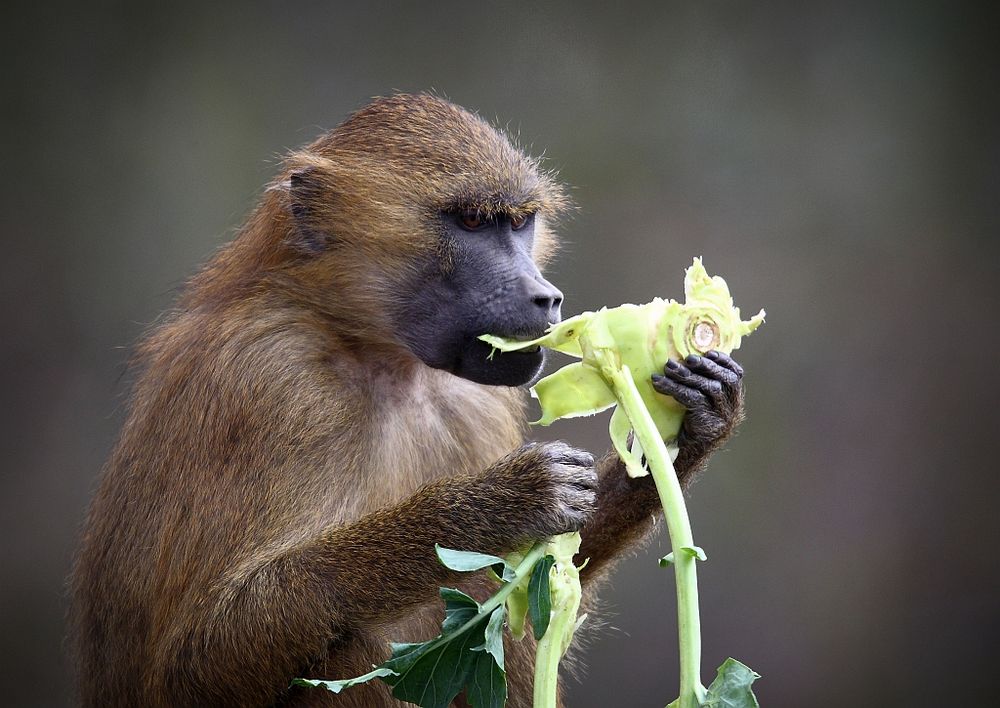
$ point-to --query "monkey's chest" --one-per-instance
(426, 433)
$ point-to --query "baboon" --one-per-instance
(317, 413)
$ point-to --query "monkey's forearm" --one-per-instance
(329, 589)
(378, 582)
(626, 511)
(379, 568)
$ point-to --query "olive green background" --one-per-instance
(837, 162)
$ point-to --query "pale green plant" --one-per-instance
(620, 351)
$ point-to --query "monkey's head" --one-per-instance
(432, 227)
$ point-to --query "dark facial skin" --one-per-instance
(489, 285)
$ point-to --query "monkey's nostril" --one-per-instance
(543, 295)
(550, 305)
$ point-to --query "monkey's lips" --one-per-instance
(479, 362)
(531, 351)
(523, 336)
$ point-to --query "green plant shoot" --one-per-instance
(641, 338)
(541, 583)
(552, 599)
(620, 350)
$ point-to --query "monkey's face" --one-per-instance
(422, 223)
(482, 281)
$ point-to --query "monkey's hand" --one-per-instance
(542, 489)
(710, 387)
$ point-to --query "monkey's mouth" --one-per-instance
(531, 350)
(524, 336)
(534, 349)
(479, 362)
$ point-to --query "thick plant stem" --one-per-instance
(564, 594)
(547, 656)
(679, 527)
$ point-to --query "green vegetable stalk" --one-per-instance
(541, 583)
(620, 350)
(565, 593)
(552, 599)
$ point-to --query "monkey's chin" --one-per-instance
(502, 368)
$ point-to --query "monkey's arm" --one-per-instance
(285, 610)
(711, 388)
(537, 491)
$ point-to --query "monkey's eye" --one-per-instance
(518, 222)
(471, 220)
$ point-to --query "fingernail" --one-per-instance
(712, 354)
(692, 360)
(673, 365)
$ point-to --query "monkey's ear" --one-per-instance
(306, 199)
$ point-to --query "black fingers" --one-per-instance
(705, 366)
(683, 375)
(710, 388)
(580, 477)
(726, 361)
(682, 393)
(700, 381)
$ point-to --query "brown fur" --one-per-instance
(287, 466)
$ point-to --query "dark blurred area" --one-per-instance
(838, 163)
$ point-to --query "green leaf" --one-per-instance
(338, 686)
(731, 687)
(467, 655)
(433, 676)
(575, 390)
(401, 649)
(487, 683)
(459, 608)
(494, 636)
(694, 551)
(467, 561)
(539, 598)
(561, 337)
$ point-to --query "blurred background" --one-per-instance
(837, 162)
